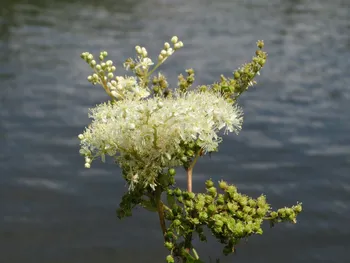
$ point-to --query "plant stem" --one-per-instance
(189, 179)
(190, 171)
(160, 209)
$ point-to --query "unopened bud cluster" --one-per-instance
(243, 77)
(229, 215)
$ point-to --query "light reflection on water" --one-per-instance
(294, 145)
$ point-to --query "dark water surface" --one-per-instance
(294, 146)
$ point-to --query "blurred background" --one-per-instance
(294, 146)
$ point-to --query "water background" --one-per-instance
(294, 146)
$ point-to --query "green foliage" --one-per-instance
(229, 215)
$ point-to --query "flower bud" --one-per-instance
(138, 50)
(174, 39)
(93, 63)
(169, 245)
(177, 222)
(223, 185)
(81, 136)
(172, 171)
(110, 75)
(191, 195)
(212, 191)
(144, 52)
(203, 216)
(211, 208)
(170, 51)
(166, 45)
(298, 208)
(87, 165)
(177, 192)
(209, 183)
(170, 259)
(260, 44)
(109, 63)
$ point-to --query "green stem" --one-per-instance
(190, 171)
(160, 209)
(155, 67)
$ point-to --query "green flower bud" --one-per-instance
(203, 216)
(251, 203)
(170, 259)
(177, 222)
(246, 209)
(209, 183)
(232, 207)
(180, 199)
(211, 208)
(260, 44)
(223, 185)
(220, 200)
(261, 201)
(212, 191)
(203, 88)
(219, 223)
(177, 192)
(292, 217)
(200, 205)
(188, 203)
(169, 245)
(262, 62)
(298, 208)
(274, 214)
(172, 171)
(260, 211)
(243, 201)
(231, 189)
(184, 159)
(208, 199)
(217, 229)
(191, 195)
(195, 221)
(281, 212)
(169, 234)
(190, 153)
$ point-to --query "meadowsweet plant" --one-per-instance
(151, 130)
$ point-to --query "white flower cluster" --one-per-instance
(145, 135)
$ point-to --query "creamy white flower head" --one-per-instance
(146, 135)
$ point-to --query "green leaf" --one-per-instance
(149, 205)
(170, 200)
